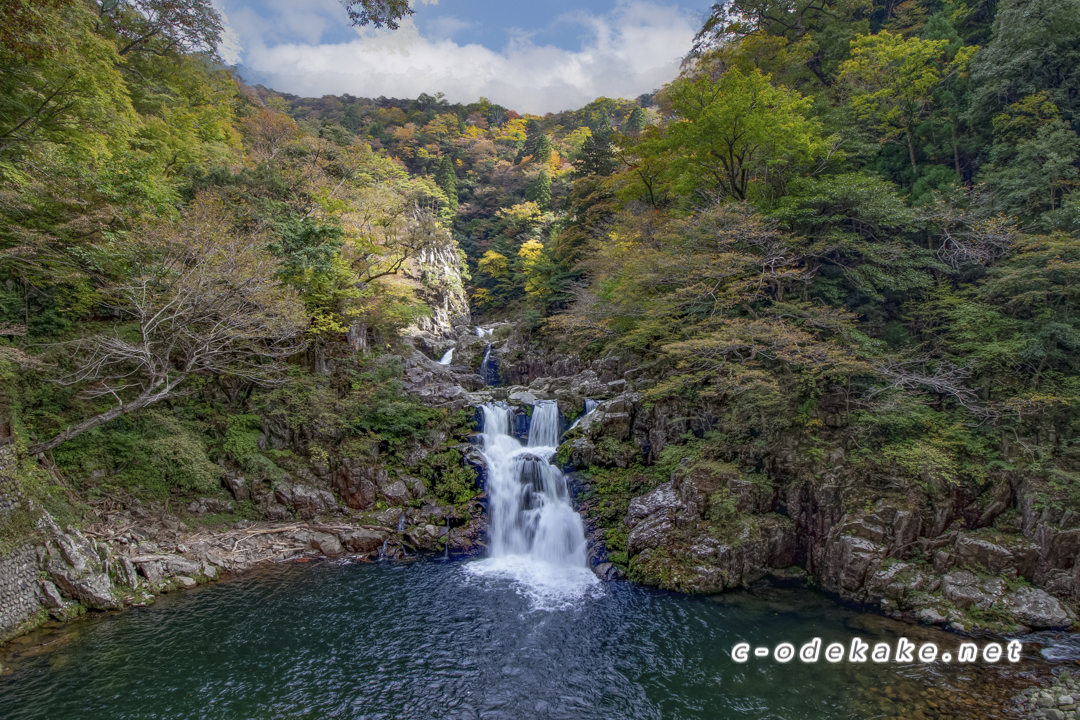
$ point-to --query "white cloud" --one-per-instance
(632, 49)
(230, 49)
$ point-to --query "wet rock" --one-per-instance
(931, 616)
(580, 453)
(186, 582)
(608, 571)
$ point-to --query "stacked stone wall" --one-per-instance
(19, 567)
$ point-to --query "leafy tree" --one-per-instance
(201, 300)
(380, 13)
(1033, 163)
(162, 27)
(736, 131)
(1035, 47)
(894, 79)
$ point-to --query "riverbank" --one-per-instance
(136, 551)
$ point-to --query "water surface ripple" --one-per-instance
(436, 640)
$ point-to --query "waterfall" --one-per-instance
(529, 503)
(590, 406)
(544, 429)
(447, 357)
(489, 371)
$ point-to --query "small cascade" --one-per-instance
(531, 515)
(489, 371)
(447, 357)
(590, 408)
(544, 429)
(484, 332)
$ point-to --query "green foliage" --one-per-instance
(149, 454)
(448, 476)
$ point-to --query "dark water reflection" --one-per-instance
(430, 640)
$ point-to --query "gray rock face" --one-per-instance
(94, 590)
(978, 553)
(152, 571)
(357, 483)
(327, 544)
(50, 595)
(965, 590)
(1037, 609)
(666, 546)
(396, 493)
(363, 541)
(238, 486)
(177, 565)
(306, 501)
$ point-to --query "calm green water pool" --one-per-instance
(465, 640)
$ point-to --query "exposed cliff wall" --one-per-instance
(437, 276)
(999, 554)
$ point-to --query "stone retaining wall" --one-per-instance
(18, 590)
(19, 568)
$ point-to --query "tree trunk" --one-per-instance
(911, 154)
(148, 397)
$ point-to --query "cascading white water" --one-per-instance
(544, 428)
(537, 538)
(488, 371)
(528, 500)
(447, 357)
(590, 407)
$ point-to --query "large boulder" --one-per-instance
(94, 590)
(363, 541)
(238, 486)
(966, 590)
(1037, 609)
(396, 493)
(326, 543)
(978, 553)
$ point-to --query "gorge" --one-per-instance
(386, 407)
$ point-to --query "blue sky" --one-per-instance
(532, 57)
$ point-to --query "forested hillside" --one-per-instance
(845, 224)
(179, 256)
